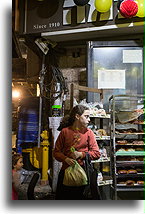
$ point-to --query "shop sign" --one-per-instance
(58, 15)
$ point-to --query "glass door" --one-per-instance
(116, 67)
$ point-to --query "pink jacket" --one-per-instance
(83, 141)
(14, 192)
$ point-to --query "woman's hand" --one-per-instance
(70, 161)
(75, 155)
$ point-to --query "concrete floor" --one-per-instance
(41, 192)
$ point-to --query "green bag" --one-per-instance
(75, 176)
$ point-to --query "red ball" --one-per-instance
(128, 8)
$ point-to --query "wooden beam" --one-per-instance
(84, 88)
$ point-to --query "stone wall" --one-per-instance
(73, 68)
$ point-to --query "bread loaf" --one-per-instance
(140, 182)
(122, 171)
(130, 150)
(122, 142)
(130, 182)
(101, 132)
(132, 171)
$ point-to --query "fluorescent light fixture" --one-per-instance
(42, 45)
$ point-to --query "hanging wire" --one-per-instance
(52, 88)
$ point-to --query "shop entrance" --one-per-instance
(116, 67)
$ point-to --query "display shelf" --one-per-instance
(130, 188)
(139, 122)
(127, 125)
(128, 163)
(135, 185)
(128, 153)
(128, 133)
(130, 144)
(105, 182)
(102, 137)
(107, 116)
(101, 160)
(134, 175)
(125, 136)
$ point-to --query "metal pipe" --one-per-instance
(45, 156)
(40, 100)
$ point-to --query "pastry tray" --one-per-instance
(102, 137)
(100, 116)
(130, 144)
(130, 133)
(101, 160)
(135, 185)
(132, 153)
(105, 182)
(130, 175)
(128, 163)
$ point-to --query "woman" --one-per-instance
(74, 140)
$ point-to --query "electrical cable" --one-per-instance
(52, 88)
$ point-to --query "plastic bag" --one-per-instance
(75, 176)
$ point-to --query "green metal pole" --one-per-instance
(144, 90)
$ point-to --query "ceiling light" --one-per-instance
(16, 94)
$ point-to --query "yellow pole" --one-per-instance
(45, 151)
